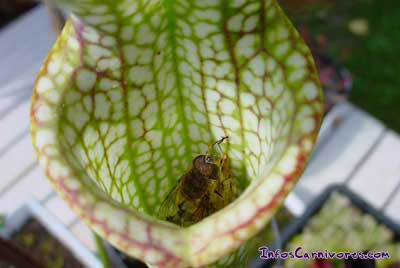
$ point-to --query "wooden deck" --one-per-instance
(359, 151)
(23, 46)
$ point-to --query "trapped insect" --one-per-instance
(206, 187)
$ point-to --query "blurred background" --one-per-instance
(356, 48)
(363, 36)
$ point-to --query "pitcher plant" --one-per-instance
(133, 90)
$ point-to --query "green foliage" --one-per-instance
(372, 58)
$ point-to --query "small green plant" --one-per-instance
(342, 227)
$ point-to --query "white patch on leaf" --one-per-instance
(85, 79)
(44, 84)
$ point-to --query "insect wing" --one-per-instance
(203, 210)
(169, 207)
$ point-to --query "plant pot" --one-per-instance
(359, 207)
(33, 213)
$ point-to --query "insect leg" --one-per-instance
(219, 142)
(218, 193)
(181, 209)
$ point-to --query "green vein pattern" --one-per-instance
(142, 87)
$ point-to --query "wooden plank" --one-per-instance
(33, 185)
(16, 163)
(22, 84)
(345, 148)
(14, 125)
(60, 209)
(9, 103)
(85, 235)
(380, 174)
(294, 204)
(393, 209)
(26, 40)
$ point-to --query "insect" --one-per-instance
(206, 187)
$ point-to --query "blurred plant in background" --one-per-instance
(363, 36)
(342, 227)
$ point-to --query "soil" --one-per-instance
(9, 10)
(34, 238)
(5, 265)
